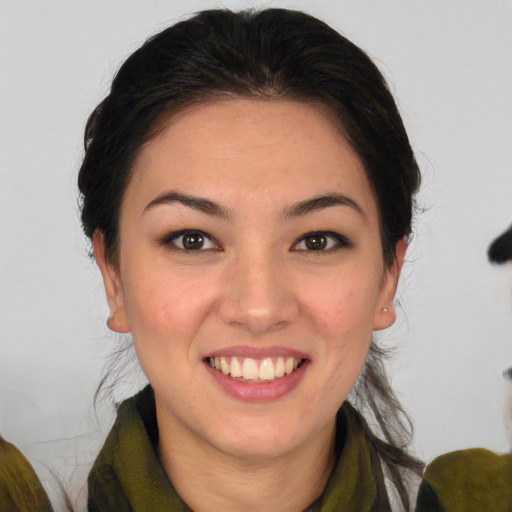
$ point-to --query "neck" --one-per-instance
(209, 480)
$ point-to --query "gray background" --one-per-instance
(449, 64)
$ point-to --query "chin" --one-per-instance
(257, 441)
(256, 450)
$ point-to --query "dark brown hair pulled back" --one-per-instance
(268, 54)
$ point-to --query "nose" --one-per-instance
(258, 297)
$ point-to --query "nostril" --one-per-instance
(257, 320)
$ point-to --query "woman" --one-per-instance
(247, 187)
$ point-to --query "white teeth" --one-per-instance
(250, 369)
(280, 367)
(236, 369)
(267, 370)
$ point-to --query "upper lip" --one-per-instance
(257, 352)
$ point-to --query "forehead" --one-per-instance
(236, 149)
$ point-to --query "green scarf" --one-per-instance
(127, 475)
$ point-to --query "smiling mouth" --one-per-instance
(247, 369)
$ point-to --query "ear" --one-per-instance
(117, 321)
(385, 315)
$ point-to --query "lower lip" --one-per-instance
(259, 392)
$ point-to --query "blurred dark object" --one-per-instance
(508, 374)
(500, 251)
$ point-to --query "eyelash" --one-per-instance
(339, 241)
(170, 239)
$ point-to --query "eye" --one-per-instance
(320, 241)
(190, 241)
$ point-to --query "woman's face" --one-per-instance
(249, 240)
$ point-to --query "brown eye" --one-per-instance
(316, 242)
(190, 241)
(193, 241)
(320, 241)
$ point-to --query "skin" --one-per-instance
(255, 285)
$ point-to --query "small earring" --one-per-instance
(386, 310)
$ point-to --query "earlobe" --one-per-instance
(385, 314)
(117, 320)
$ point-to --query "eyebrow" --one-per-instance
(295, 210)
(319, 203)
(196, 203)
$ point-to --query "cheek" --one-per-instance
(165, 314)
(343, 313)
(165, 308)
(343, 309)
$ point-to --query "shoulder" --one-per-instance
(473, 479)
(20, 489)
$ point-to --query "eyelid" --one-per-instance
(341, 241)
(169, 238)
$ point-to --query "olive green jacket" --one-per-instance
(127, 475)
(474, 480)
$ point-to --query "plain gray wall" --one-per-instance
(449, 64)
